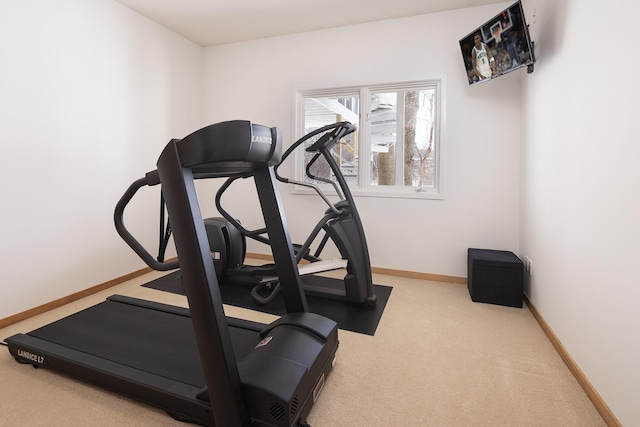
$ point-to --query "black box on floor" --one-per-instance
(495, 277)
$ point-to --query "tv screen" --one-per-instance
(499, 46)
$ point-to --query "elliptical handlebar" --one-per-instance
(150, 179)
(341, 129)
(332, 135)
(253, 234)
(329, 139)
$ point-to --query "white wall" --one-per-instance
(90, 93)
(255, 81)
(581, 186)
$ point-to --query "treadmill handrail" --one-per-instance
(149, 179)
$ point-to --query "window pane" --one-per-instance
(322, 111)
(402, 138)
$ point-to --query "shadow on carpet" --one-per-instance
(348, 317)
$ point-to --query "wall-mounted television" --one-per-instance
(499, 46)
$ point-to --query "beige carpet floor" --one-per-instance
(437, 359)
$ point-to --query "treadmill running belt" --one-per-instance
(124, 334)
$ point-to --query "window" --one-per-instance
(396, 151)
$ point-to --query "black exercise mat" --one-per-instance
(348, 317)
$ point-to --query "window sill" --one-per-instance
(396, 193)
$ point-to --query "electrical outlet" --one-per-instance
(535, 15)
(528, 265)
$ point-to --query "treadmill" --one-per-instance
(196, 364)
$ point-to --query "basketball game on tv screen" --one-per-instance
(499, 46)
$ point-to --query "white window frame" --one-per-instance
(364, 167)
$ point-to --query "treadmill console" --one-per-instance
(232, 146)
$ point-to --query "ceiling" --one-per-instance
(213, 22)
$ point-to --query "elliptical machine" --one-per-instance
(340, 223)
